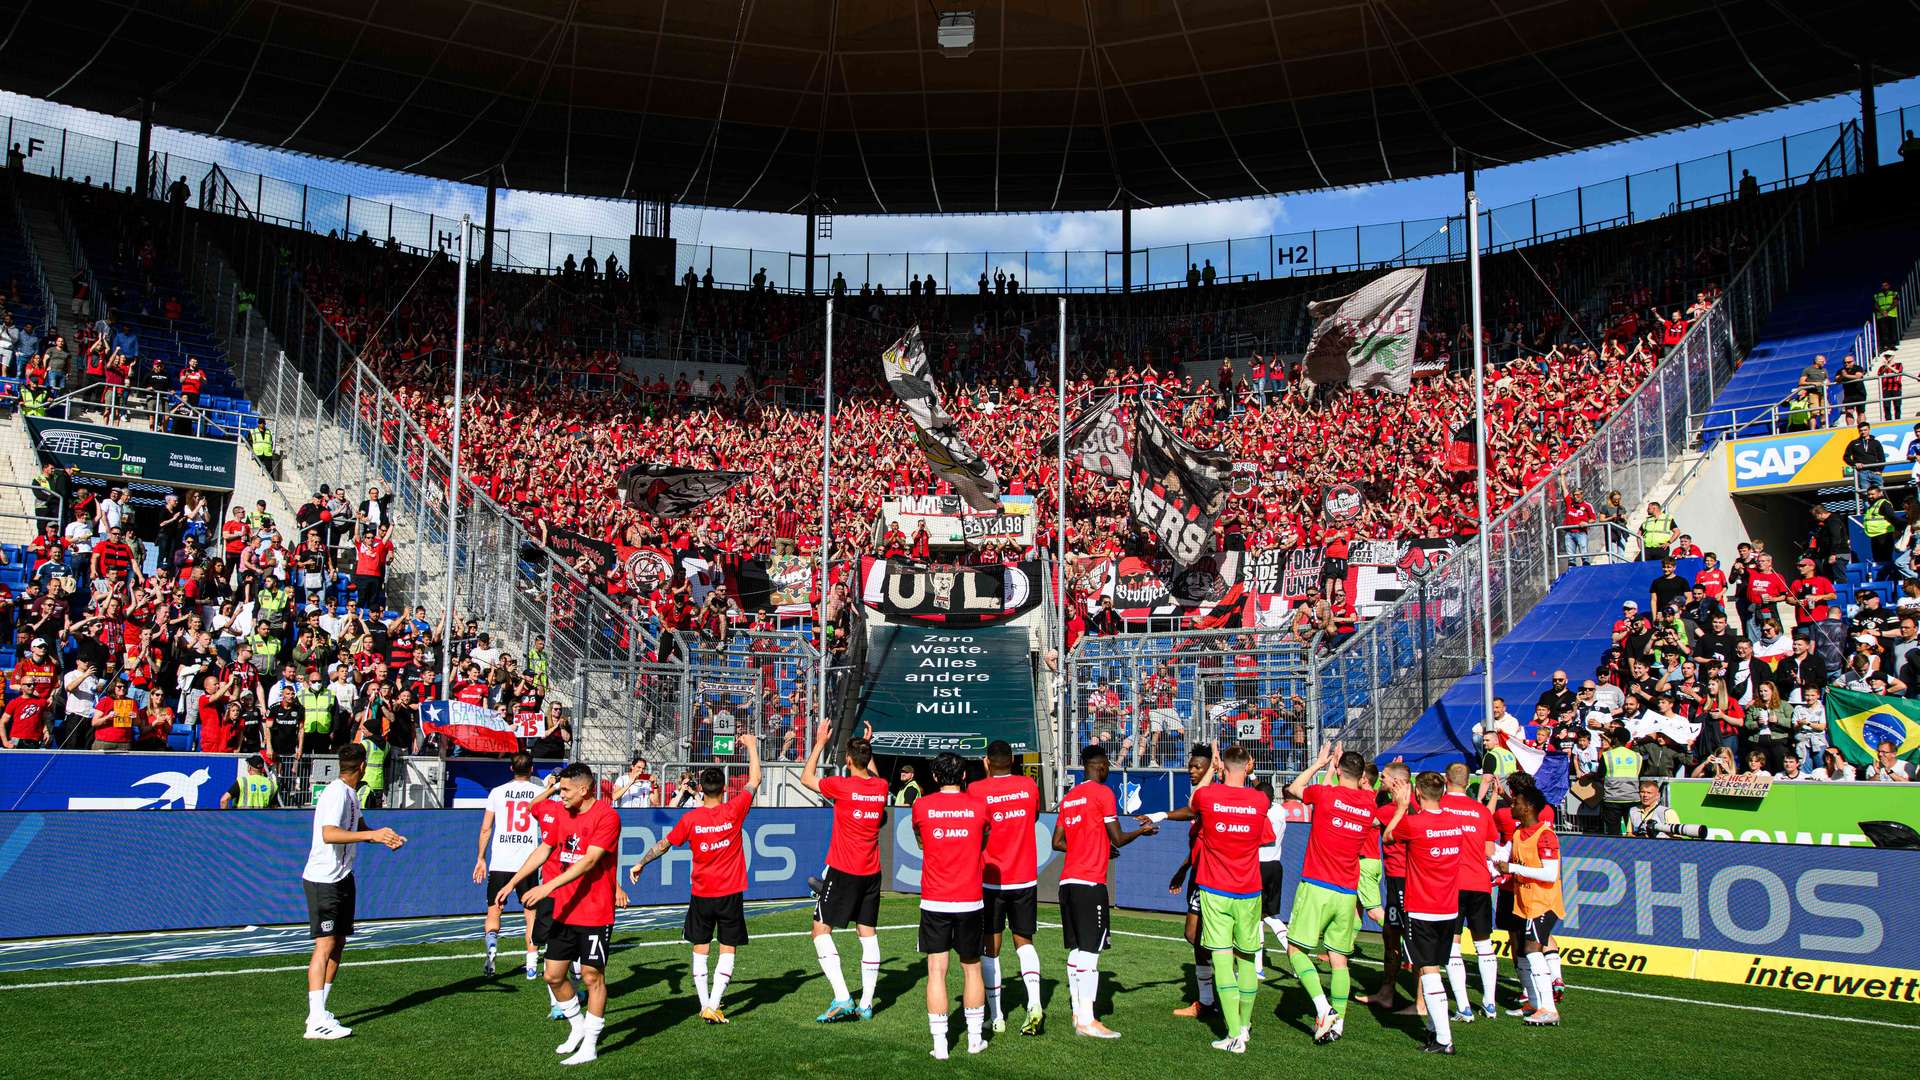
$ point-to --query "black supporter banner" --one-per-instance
(1177, 488)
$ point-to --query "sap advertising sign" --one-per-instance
(1808, 459)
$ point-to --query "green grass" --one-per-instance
(435, 1016)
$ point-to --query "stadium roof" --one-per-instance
(1059, 105)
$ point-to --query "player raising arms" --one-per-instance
(1476, 899)
(715, 833)
(588, 842)
(1199, 768)
(328, 882)
(850, 890)
(1011, 882)
(509, 824)
(1436, 842)
(951, 827)
(1535, 866)
(1324, 916)
(1089, 832)
(1233, 827)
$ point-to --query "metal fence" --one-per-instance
(1151, 698)
(1379, 682)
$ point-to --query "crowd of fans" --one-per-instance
(1724, 673)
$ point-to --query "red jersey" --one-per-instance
(1012, 801)
(26, 719)
(588, 899)
(1474, 875)
(1712, 581)
(370, 556)
(1437, 843)
(554, 821)
(1342, 823)
(952, 827)
(859, 809)
(35, 679)
(1084, 814)
(1233, 829)
(1504, 823)
(1394, 852)
(718, 845)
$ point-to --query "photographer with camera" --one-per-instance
(1650, 819)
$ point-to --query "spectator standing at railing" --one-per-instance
(1830, 542)
(1577, 517)
(1656, 533)
(1852, 381)
(1879, 522)
(1864, 456)
(59, 364)
(1893, 381)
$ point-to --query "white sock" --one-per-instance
(576, 969)
(1553, 963)
(316, 1006)
(1030, 975)
(869, 969)
(829, 955)
(722, 974)
(1077, 988)
(592, 1025)
(976, 1017)
(937, 1024)
(1203, 974)
(700, 980)
(533, 959)
(1279, 927)
(493, 943)
(1489, 971)
(325, 993)
(1457, 977)
(1437, 1015)
(1542, 982)
(570, 1009)
(990, 974)
(1090, 976)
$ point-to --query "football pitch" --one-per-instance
(231, 1003)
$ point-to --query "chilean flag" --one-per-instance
(472, 727)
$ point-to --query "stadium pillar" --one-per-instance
(813, 220)
(1126, 244)
(1480, 452)
(140, 184)
(1869, 123)
(486, 252)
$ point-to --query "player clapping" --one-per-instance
(1089, 832)
(850, 889)
(1011, 881)
(1435, 844)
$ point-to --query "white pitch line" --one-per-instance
(1623, 993)
(53, 984)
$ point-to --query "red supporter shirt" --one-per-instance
(1342, 821)
(26, 719)
(718, 844)
(859, 809)
(1233, 829)
(1084, 814)
(588, 899)
(952, 827)
(1474, 875)
(1436, 844)
(1012, 801)
(370, 556)
(1712, 581)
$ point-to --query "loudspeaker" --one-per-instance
(650, 258)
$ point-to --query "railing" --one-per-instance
(161, 410)
(1772, 166)
(1367, 698)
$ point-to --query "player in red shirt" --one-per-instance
(1476, 898)
(587, 843)
(849, 891)
(1088, 832)
(1011, 881)
(951, 827)
(1200, 765)
(1436, 843)
(1325, 912)
(715, 832)
(1233, 826)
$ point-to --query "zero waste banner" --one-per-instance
(933, 689)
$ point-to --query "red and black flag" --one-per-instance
(1460, 456)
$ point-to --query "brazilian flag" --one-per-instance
(1858, 723)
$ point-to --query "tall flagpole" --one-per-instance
(826, 512)
(453, 473)
(1480, 452)
(1063, 696)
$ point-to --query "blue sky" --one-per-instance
(1426, 198)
